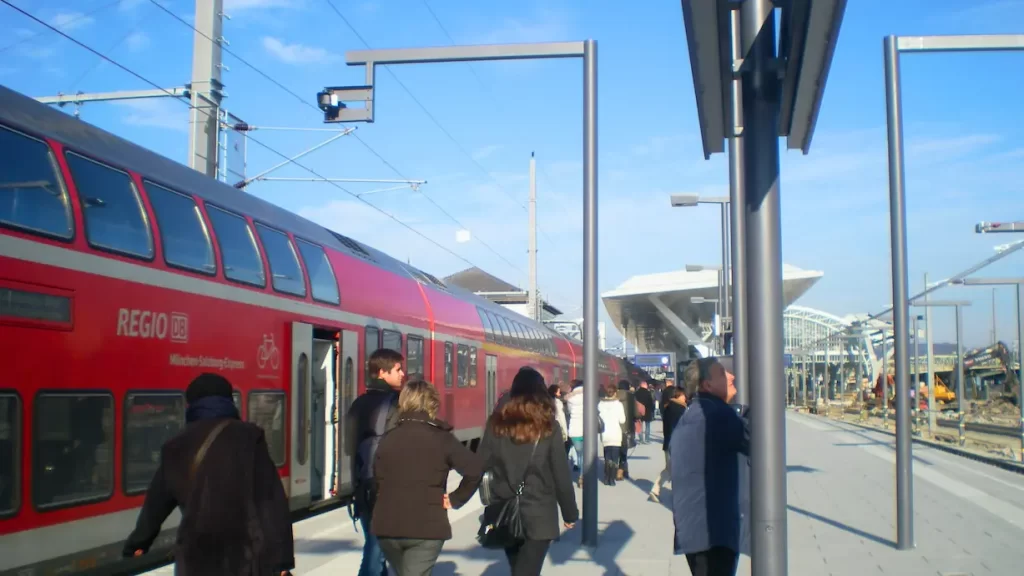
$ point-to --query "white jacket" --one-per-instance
(560, 418)
(575, 401)
(611, 413)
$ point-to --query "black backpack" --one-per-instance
(365, 488)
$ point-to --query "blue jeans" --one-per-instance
(373, 559)
(577, 448)
(647, 431)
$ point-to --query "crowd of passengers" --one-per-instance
(402, 453)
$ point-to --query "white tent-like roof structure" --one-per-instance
(655, 312)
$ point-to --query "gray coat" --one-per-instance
(704, 448)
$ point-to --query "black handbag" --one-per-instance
(502, 524)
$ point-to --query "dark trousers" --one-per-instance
(411, 556)
(526, 558)
(718, 561)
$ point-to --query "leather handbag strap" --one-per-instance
(201, 453)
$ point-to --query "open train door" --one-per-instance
(348, 375)
(324, 397)
(301, 406)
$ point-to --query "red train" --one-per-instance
(124, 274)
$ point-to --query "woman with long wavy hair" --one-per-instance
(523, 444)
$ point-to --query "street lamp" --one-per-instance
(332, 101)
(1019, 282)
(733, 310)
(958, 306)
(984, 227)
(723, 294)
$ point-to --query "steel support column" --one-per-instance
(206, 88)
(901, 324)
(591, 440)
(769, 551)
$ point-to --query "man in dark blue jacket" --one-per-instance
(704, 450)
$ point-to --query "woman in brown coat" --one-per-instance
(410, 518)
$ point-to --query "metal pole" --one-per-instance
(590, 348)
(885, 382)
(961, 417)
(206, 88)
(768, 526)
(931, 366)
(723, 280)
(916, 380)
(1020, 364)
(533, 239)
(898, 238)
(995, 334)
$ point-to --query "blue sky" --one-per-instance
(469, 131)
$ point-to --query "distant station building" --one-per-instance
(500, 292)
(655, 312)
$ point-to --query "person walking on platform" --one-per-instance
(560, 414)
(369, 417)
(613, 425)
(705, 448)
(234, 513)
(672, 408)
(629, 407)
(575, 402)
(522, 446)
(646, 398)
(410, 519)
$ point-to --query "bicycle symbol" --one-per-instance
(268, 352)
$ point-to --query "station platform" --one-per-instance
(969, 518)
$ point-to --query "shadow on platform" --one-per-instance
(841, 526)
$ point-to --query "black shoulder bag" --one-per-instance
(502, 522)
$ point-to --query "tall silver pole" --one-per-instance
(916, 380)
(723, 278)
(1020, 364)
(931, 366)
(206, 89)
(590, 343)
(532, 299)
(768, 526)
(961, 415)
(901, 325)
(995, 334)
(885, 382)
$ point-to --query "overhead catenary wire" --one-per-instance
(428, 113)
(254, 140)
(313, 107)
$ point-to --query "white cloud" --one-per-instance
(137, 41)
(68, 21)
(547, 27)
(128, 5)
(155, 113)
(295, 53)
(485, 151)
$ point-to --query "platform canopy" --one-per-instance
(656, 312)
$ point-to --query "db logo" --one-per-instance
(179, 327)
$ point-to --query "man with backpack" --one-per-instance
(370, 416)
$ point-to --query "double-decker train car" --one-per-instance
(123, 275)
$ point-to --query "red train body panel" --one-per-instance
(103, 325)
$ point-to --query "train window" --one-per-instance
(237, 245)
(449, 364)
(462, 365)
(506, 332)
(236, 397)
(372, 345)
(321, 276)
(391, 339)
(486, 322)
(150, 419)
(285, 272)
(520, 335)
(471, 376)
(183, 234)
(414, 355)
(73, 460)
(496, 335)
(266, 410)
(10, 454)
(33, 196)
(534, 341)
(301, 422)
(114, 218)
